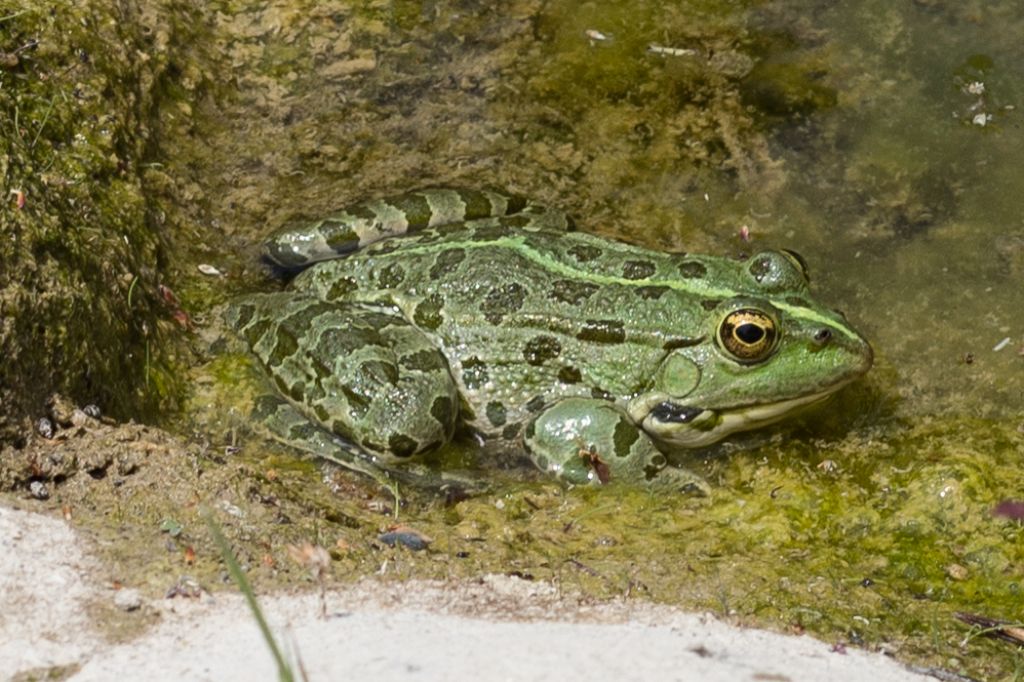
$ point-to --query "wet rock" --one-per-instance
(44, 427)
(38, 490)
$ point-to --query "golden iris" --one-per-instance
(748, 335)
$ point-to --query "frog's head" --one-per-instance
(763, 355)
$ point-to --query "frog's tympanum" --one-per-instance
(440, 310)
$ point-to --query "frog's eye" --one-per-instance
(748, 335)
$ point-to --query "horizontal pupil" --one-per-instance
(749, 333)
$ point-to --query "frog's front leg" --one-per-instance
(590, 441)
(360, 371)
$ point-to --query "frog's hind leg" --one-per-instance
(360, 371)
(370, 221)
(287, 425)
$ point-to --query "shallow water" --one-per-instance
(850, 132)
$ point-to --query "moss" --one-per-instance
(80, 286)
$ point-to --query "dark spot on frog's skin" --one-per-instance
(530, 429)
(502, 300)
(496, 413)
(285, 347)
(339, 236)
(572, 291)
(358, 404)
(298, 392)
(302, 432)
(443, 411)
(651, 293)
(391, 276)
(378, 372)
(569, 375)
(692, 270)
(416, 209)
(638, 269)
(447, 262)
(600, 394)
(360, 212)
(340, 428)
(625, 435)
(511, 431)
(675, 343)
(401, 445)
(254, 332)
(341, 287)
(540, 349)
(423, 360)
(428, 313)
(321, 413)
(602, 331)
(542, 462)
(243, 315)
(335, 342)
(319, 369)
(306, 316)
(519, 222)
(477, 205)
(536, 403)
(372, 445)
(317, 391)
(760, 268)
(709, 304)
(584, 252)
(474, 373)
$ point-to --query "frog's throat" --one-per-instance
(711, 426)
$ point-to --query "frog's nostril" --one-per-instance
(822, 336)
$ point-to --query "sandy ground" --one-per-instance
(497, 628)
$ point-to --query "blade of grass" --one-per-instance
(284, 670)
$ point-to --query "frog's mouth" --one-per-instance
(687, 426)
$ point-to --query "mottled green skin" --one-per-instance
(595, 355)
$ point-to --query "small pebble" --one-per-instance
(209, 270)
(92, 411)
(406, 537)
(45, 428)
(38, 490)
(128, 600)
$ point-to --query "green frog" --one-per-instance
(414, 316)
